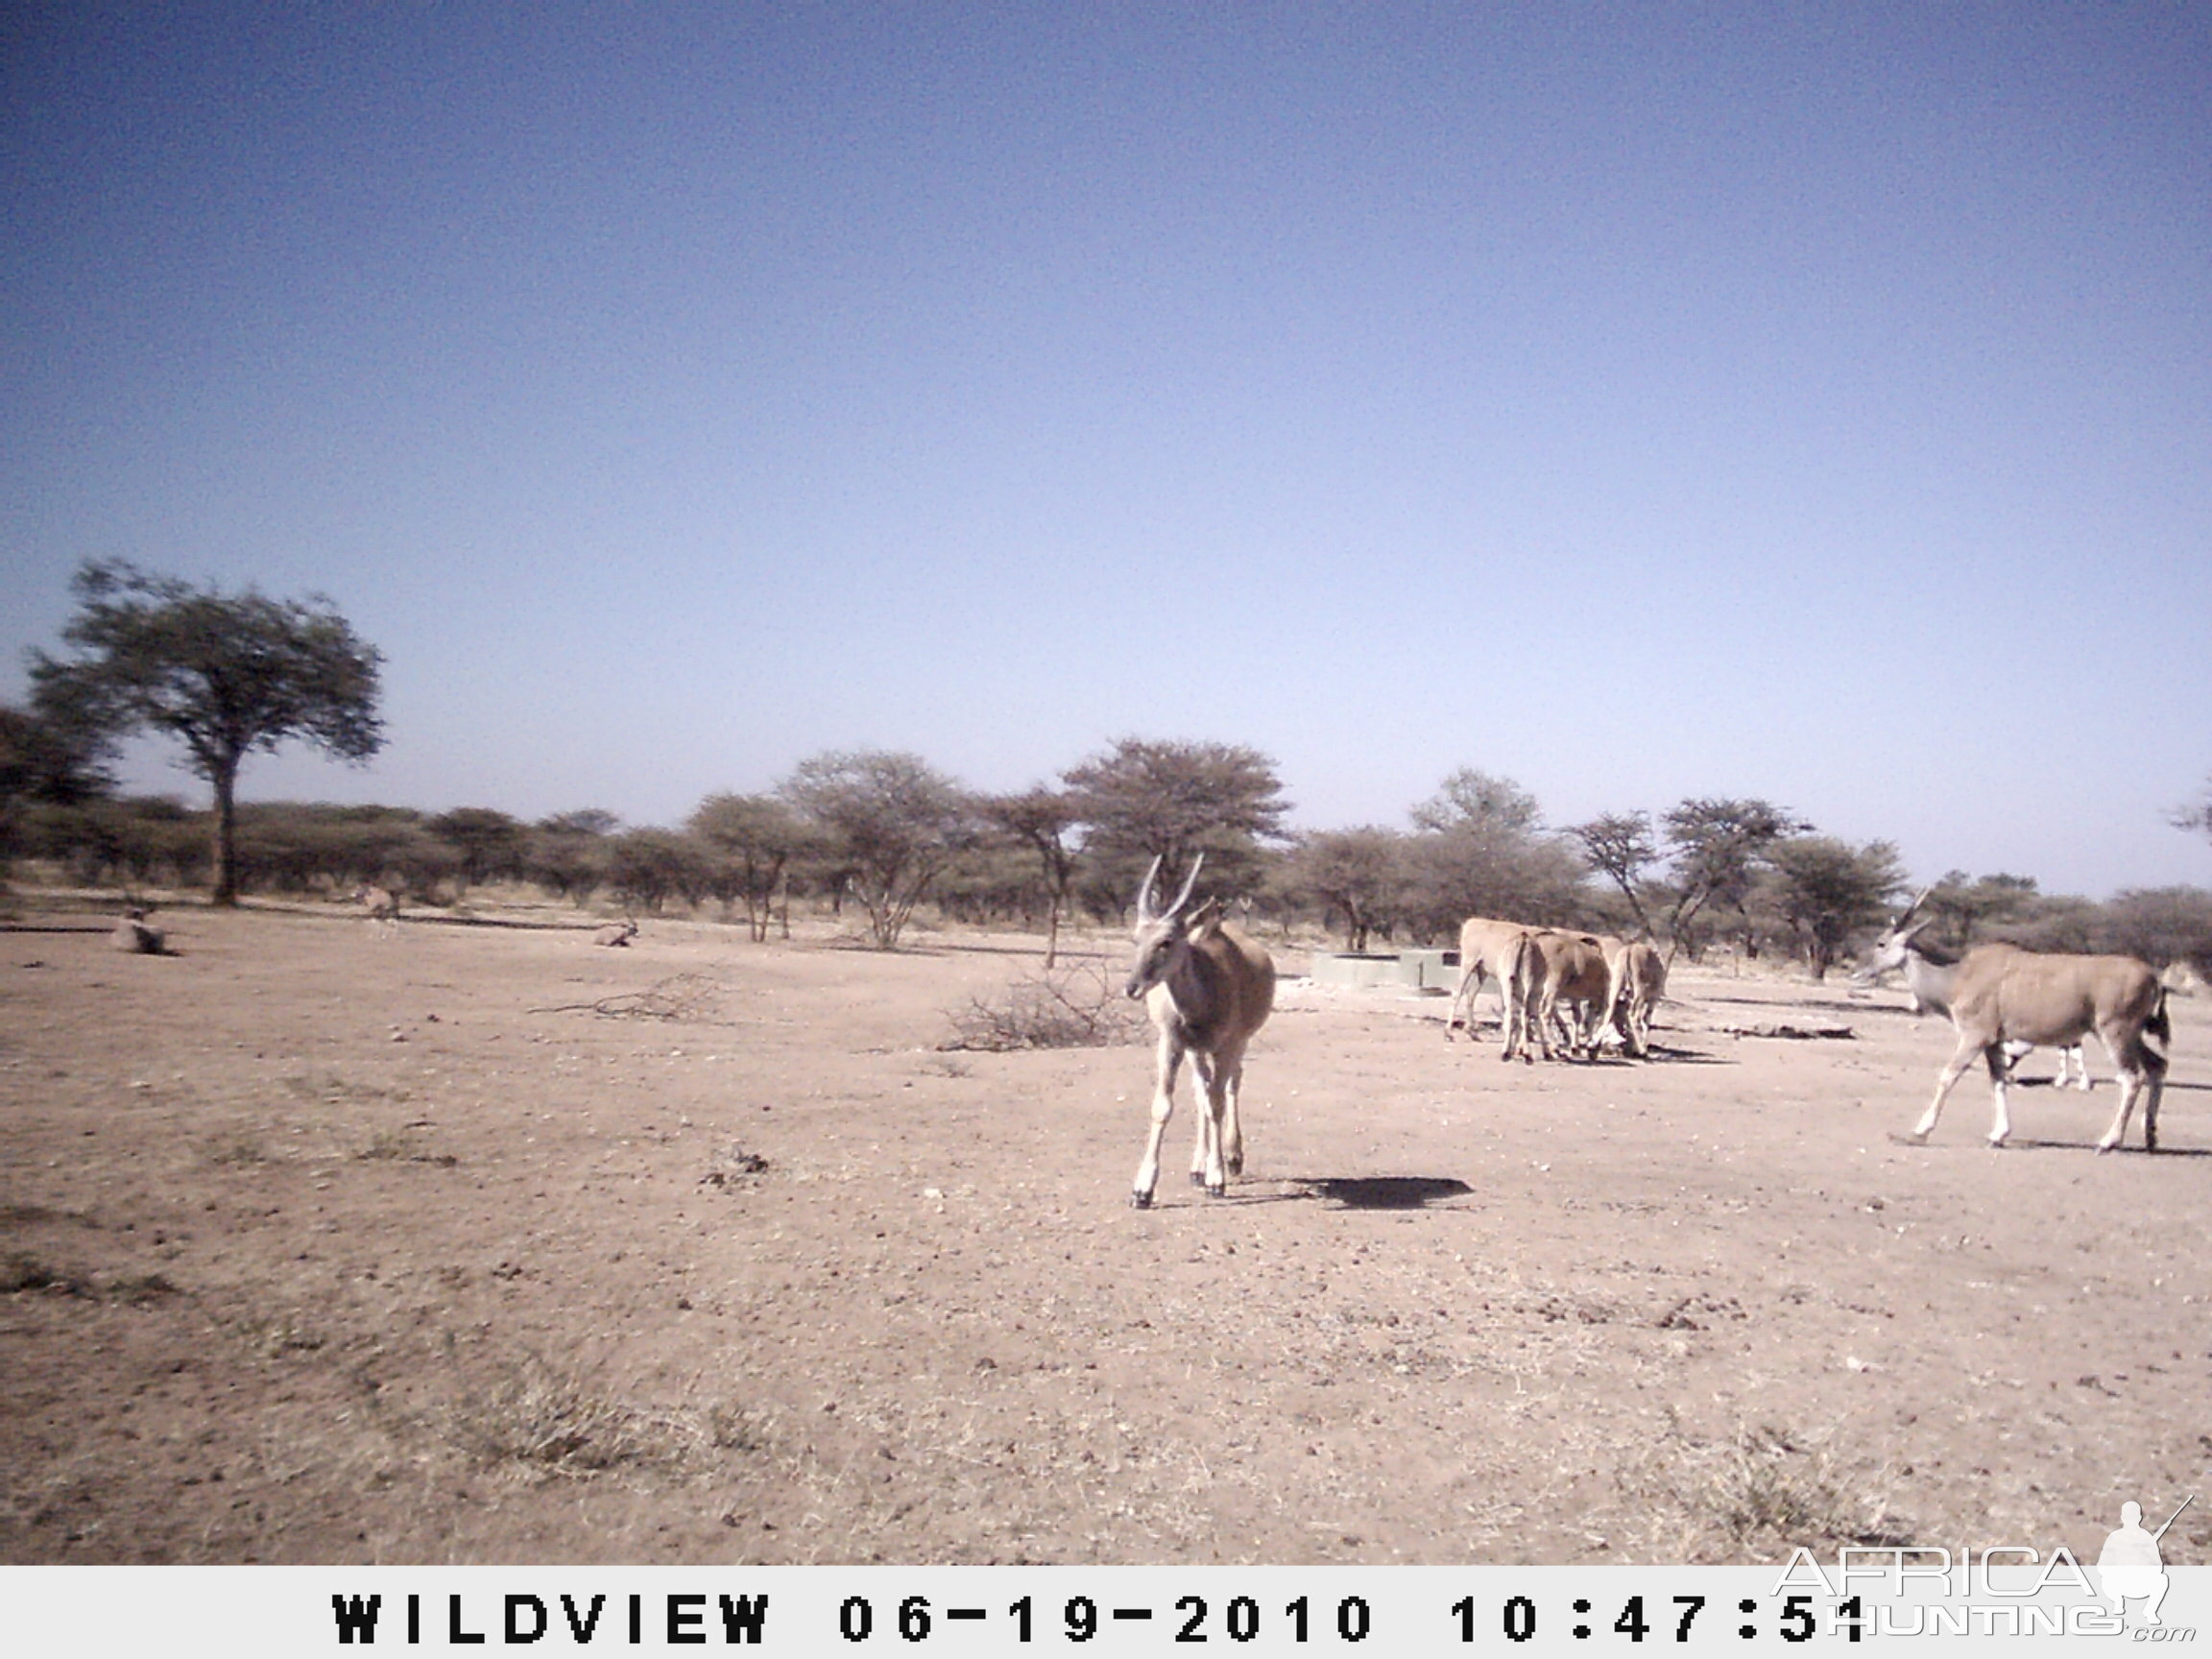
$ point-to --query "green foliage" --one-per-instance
(2161, 925)
(1355, 876)
(223, 674)
(488, 845)
(566, 854)
(1827, 890)
(645, 868)
(1718, 848)
(1621, 848)
(1147, 799)
(751, 842)
(1472, 800)
(892, 822)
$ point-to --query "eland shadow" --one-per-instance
(1382, 1191)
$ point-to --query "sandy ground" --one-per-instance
(482, 1244)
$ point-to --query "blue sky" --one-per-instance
(1638, 401)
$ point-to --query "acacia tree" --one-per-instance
(1719, 847)
(895, 821)
(1358, 873)
(646, 866)
(223, 674)
(1972, 905)
(1040, 819)
(1469, 799)
(754, 838)
(567, 852)
(1147, 799)
(44, 764)
(1620, 846)
(1828, 889)
(1479, 849)
(488, 843)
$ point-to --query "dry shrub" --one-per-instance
(20, 1270)
(1073, 1007)
(1765, 1493)
(681, 997)
(548, 1421)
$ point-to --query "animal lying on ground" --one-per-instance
(381, 906)
(133, 935)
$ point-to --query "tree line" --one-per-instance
(887, 833)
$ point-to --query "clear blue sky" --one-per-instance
(1634, 400)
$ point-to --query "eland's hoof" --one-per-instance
(1139, 1200)
(1198, 1177)
(1216, 1191)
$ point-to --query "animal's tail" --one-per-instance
(2158, 1025)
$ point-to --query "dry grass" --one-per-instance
(1764, 1493)
(23, 1271)
(544, 1419)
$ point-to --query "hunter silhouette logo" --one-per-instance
(2130, 1566)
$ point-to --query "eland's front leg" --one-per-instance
(1206, 1159)
(1949, 1075)
(1231, 1124)
(1163, 1109)
(1201, 1119)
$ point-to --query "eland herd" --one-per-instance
(1209, 987)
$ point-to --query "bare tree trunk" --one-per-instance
(224, 776)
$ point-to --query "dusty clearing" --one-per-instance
(476, 1244)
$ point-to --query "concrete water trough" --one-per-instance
(1427, 971)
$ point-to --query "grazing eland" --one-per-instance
(1636, 981)
(1208, 989)
(2000, 993)
(1486, 951)
(1550, 968)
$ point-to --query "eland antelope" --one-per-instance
(134, 936)
(1550, 968)
(1637, 980)
(1928, 971)
(1208, 989)
(1486, 951)
(381, 906)
(2000, 993)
